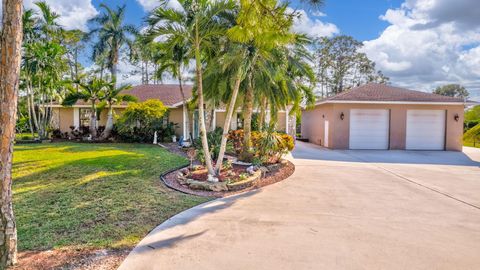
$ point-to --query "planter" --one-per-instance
(246, 183)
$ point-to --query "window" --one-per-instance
(85, 117)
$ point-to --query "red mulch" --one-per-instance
(170, 180)
(202, 175)
(71, 259)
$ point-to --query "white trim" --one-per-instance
(286, 122)
(390, 102)
(185, 115)
(76, 117)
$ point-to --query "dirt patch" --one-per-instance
(284, 172)
(71, 259)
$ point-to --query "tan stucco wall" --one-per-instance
(220, 121)
(65, 119)
(313, 123)
(281, 122)
(176, 116)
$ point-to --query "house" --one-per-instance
(63, 118)
(379, 116)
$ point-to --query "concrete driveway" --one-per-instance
(340, 210)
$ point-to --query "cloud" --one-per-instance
(149, 5)
(428, 44)
(313, 27)
(74, 14)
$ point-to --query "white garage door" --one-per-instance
(369, 129)
(425, 130)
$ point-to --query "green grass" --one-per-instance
(92, 195)
(24, 136)
(470, 144)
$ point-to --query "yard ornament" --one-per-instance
(155, 138)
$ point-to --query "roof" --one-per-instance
(382, 93)
(169, 94)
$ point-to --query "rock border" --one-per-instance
(282, 173)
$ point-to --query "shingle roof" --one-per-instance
(383, 92)
(169, 94)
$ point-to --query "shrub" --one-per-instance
(140, 121)
(268, 146)
(214, 139)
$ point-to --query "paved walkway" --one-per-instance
(339, 210)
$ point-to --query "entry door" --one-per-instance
(369, 129)
(425, 130)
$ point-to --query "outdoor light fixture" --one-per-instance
(456, 117)
(342, 115)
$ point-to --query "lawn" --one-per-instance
(92, 195)
(471, 144)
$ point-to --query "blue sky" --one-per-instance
(419, 44)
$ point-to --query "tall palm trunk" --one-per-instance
(109, 125)
(10, 57)
(201, 112)
(226, 125)
(247, 123)
(261, 119)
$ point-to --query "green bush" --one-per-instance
(140, 121)
(214, 139)
(268, 146)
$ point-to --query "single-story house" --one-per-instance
(379, 116)
(79, 114)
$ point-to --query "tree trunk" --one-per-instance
(30, 123)
(109, 125)
(261, 119)
(10, 57)
(247, 124)
(226, 125)
(201, 113)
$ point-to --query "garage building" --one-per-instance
(379, 116)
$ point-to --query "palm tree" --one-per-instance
(10, 57)
(113, 96)
(93, 91)
(112, 35)
(49, 26)
(199, 23)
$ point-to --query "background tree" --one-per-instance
(452, 90)
(113, 96)
(93, 91)
(340, 65)
(112, 34)
(10, 56)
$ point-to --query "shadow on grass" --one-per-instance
(95, 201)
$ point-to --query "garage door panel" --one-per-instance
(425, 130)
(369, 129)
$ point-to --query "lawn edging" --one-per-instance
(169, 180)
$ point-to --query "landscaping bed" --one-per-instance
(276, 173)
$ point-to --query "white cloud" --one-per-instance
(149, 5)
(313, 27)
(427, 44)
(74, 13)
